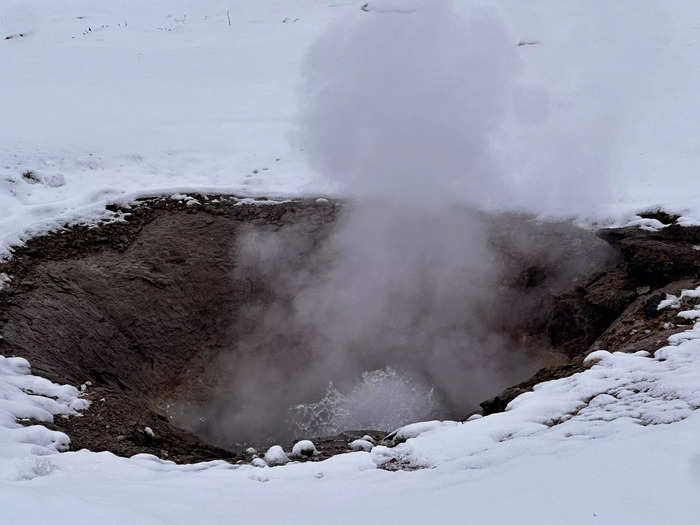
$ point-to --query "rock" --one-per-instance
(634, 330)
(275, 456)
(416, 429)
(54, 180)
(360, 445)
(258, 462)
(657, 257)
(580, 316)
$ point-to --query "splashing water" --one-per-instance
(382, 400)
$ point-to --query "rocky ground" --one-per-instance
(120, 309)
(618, 309)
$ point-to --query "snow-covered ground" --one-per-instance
(613, 444)
(104, 101)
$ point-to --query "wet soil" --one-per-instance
(139, 307)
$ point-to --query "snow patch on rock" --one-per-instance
(360, 444)
(275, 456)
(304, 448)
(25, 399)
(671, 301)
(416, 429)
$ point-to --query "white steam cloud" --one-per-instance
(417, 113)
(406, 106)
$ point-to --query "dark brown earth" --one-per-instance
(138, 307)
(133, 307)
(617, 310)
(107, 305)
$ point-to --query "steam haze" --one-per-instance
(408, 111)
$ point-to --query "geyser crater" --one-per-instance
(188, 320)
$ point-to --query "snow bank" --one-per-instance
(26, 400)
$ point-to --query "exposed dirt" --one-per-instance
(129, 305)
(139, 308)
(617, 310)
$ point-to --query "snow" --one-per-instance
(26, 451)
(675, 302)
(360, 444)
(595, 357)
(150, 100)
(671, 301)
(112, 101)
(691, 294)
(304, 448)
(652, 225)
(275, 455)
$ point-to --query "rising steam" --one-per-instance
(407, 309)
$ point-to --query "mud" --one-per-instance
(140, 308)
(132, 307)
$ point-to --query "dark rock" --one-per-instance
(657, 258)
(660, 215)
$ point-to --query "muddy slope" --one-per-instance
(128, 306)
